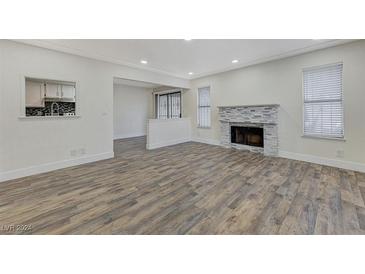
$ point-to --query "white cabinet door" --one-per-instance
(53, 90)
(34, 94)
(68, 92)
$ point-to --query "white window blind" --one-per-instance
(323, 101)
(204, 107)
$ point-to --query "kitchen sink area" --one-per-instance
(61, 109)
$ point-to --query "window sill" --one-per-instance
(204, 127)
(324, 138)
(48, 117)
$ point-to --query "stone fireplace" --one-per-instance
(251, 127)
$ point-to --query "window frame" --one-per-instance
(48, 77)
(156, 103)
(210, 106)
(317, 136)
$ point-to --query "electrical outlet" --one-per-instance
(81, 151)
(73, 152)
(340, 153)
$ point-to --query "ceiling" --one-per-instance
(179, 57)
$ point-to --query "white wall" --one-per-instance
(167, 132)
(2, 117)
(281, 82)
(30, 146)
(132, 108)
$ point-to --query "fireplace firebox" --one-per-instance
(250, 136)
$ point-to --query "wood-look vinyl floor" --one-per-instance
(189, 188)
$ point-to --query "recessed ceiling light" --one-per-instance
(144, 62)
(190, 73)
(234, 61)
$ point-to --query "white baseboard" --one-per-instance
(323, 161)
(23, 172)
(303, 157)
(130, 135)
(168, 143)
(207, 141)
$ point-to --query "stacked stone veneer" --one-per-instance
(263, 116)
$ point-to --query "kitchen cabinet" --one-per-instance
(60, 91)
(53, 90)
(68, 93)
(34, 94)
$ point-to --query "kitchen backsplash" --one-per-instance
(64, 107)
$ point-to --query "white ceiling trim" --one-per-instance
(133, 83)
(83, 53)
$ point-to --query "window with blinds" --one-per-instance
(204, 107)
(323, 101)
(168, 105)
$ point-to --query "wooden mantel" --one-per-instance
(259, 105)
